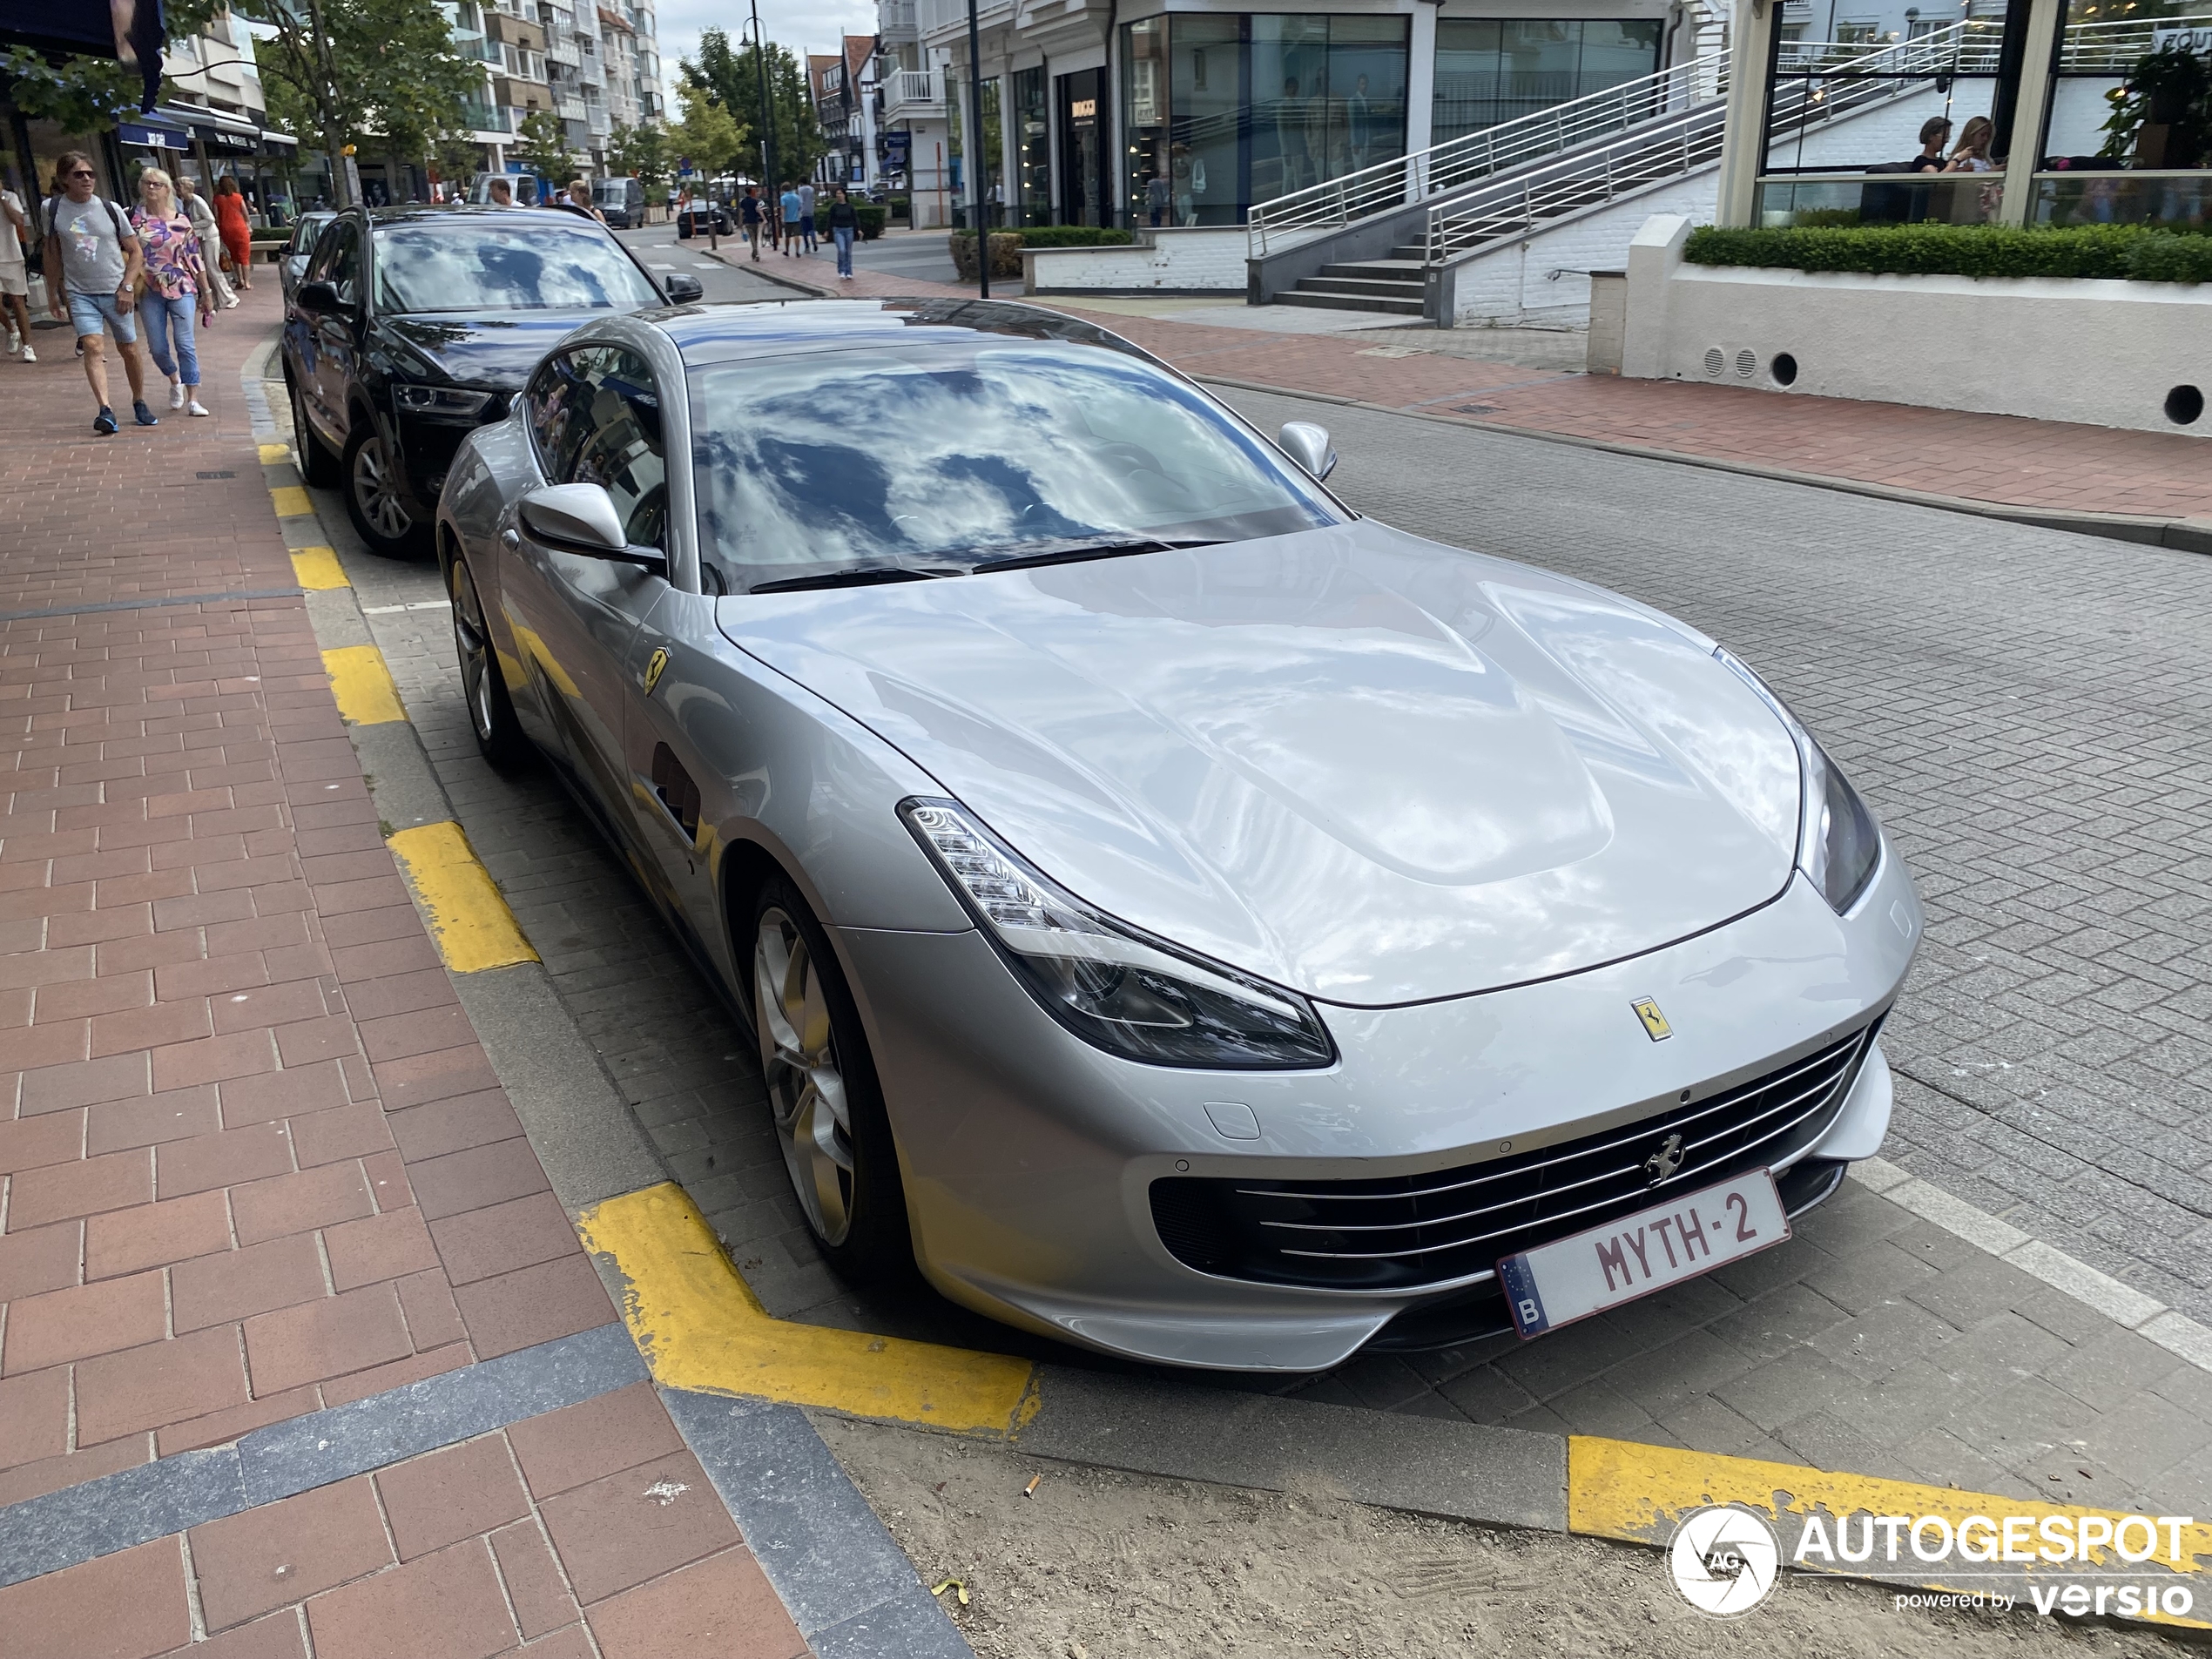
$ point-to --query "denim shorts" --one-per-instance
(89, 313)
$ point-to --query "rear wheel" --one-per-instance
(317, 465)
(829, 1118)
(483, 688)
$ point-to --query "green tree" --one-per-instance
(641, 153)
(541, 145)
(729, 74)
(81, 95)
(706, 137)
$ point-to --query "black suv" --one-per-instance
(412, 325)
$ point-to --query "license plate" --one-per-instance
(1571, 1278)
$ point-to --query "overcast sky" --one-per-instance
(803, 25)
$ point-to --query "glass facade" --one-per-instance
(1032, 148)
(1490, 70)
(1222, 110)
(957, 95)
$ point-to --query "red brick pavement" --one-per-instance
(252, 1161)
(2050, 465)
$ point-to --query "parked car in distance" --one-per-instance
(691, 220)
(294, 259)
(623, 200)
(411, 326)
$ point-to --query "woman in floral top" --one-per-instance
(175, 287)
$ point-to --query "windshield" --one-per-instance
(532, 266)
(941, 458)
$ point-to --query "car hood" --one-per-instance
(497, 352)
(1373, 768)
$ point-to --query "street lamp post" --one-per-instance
(768, 123)
(976, 155)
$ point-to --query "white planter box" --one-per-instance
(2100, 353)
(1204, 259)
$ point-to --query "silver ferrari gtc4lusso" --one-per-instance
(1189, 918)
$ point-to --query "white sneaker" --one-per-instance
(176, 395)
(231, 304)
(29, 355)
(195, 407)
(15, 343)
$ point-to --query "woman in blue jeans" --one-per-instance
(177, 287)
(844, 223)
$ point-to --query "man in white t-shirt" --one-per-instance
(14, 282)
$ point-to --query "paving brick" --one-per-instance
(226, 1158)
(163, 1382)
(278, 1636)
(152, 1119)
(346, 1332)
(637, 1524)
(451, 1494)
(443, 1606)
(722, 1608)
(432, 1320)
(238, 1284)
(341, 1132)
(380, 1378)
(221, 1427)
(43, 1259)
(533, 1305)
(476, 1178)
(252, 1563)
(454, 1125)
(34, 1416)
(128, 1241)
(214, 1059)
(536, 1588)
(500, 1237)
(66, 1324)
(419, 1079)
(139, 1594)
(54, 1088)
(51, 1475)
(300, 1201)
(390, 1245)
(55, 1138)
(562, 1450)
(295, 1091)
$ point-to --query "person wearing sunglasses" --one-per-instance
(176, 287)
(93, 261)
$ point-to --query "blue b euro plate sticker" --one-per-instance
(1520, 1295)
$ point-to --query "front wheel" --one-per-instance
(829, 1118)
(372, 488)
(483, 687)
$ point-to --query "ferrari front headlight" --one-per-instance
(1839, 844)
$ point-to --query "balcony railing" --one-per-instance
(895, 19)
(912, 93)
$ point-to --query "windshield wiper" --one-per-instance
(1091, 550)
(867, 576)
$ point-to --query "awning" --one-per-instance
(283, 140)
(154, 132)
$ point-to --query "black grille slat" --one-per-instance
(1407, 1231)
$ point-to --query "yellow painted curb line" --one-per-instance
(317, 569)
(700, 1327)
(291, 501)
(362, 685)
(273, 453)
(470, 920)
(1640, 1494)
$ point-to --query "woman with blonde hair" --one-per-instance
(1972, 153)
(175, 287)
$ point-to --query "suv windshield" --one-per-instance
(942, 458)
(536, 266)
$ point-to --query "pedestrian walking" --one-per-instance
(790, 204)
(749, 216)
(580, 199)
(176, 287)
(211, 243)
(14, 277)
(501, 193)
(237, 230)
(843, 223)
(93, 264)
(806, 217)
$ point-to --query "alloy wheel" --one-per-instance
(805, 1087)
(375, 492)
(472, 643)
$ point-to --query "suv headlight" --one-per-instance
(440, 402)
(1839, 844)
(1130, 995)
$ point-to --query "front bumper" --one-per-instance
(1029, 1157)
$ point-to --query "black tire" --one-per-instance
(370, 481)
(865, 1236)
(317, 465)
(483, 687)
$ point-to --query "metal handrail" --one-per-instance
(1474, 156)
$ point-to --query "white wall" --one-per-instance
(1207, 260)
(2103, 353)
(1513, 284)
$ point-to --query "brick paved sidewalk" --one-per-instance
(2045, 465)
(254, 1163)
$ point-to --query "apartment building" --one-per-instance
(844, 85)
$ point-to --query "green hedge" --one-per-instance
(871, 216)
(2144, 253)
(1064, 236)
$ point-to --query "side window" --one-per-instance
(621, 445)
(557, 408)
(343, 256)
(325, 250)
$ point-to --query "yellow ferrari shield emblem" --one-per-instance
(1654, 1023)
(653, 667)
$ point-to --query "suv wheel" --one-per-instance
(371, 487)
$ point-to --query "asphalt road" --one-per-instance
(2026, 710)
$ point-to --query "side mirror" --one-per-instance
(1308, 445)
(683, 290)
(319, 297)
(581, 518)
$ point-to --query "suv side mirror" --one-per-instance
(581, 518)
(683, 290)
(319, 297)
(1308, 444)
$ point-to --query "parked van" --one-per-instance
(525, 186)
(623, 200)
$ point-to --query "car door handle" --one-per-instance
(509, 539)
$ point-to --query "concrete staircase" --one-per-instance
(1392, 285)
